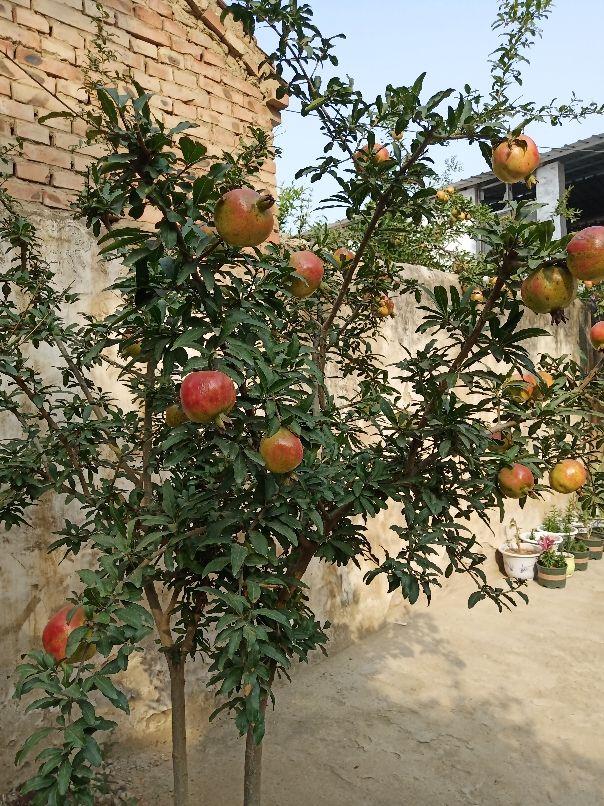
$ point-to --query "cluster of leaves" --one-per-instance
(188, 518)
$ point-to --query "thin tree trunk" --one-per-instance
(179, 732)
(252, 784)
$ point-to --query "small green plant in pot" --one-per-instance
(551, 569)
(557, 526)
(580, 553)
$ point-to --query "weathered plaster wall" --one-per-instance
(33, 584)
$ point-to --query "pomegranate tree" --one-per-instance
(202, 535)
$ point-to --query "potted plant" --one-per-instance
(594, 541)
(551, 569)
(519, 556)
(556, 526)
(579, 551)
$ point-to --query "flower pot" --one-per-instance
(570, 563)
(520, 566)
(551, 577)
(581, 560)
(594, 543)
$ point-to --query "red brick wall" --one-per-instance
(199, 69)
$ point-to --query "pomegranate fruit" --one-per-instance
(207, 396)
(477, 296)
(502, 440)
(596, 336)
(515, 481)
(585, 254)
(57, 631)
(244, 217)
(343, 257)
(549, 289)
(567, 476)
(132, 350)
(175, 416)
(377, 155)
(282, 452)
(309, 270)
(386, 307)
(516, 159)
(526, 386)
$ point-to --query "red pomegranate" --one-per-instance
(282, 452)
(567, 476)
(343, 257)
(549, 289)
(596, 336)
(207, 396)
(175, 416)
(585, 254)
(309, 273)
(244, 218)
(377, 155)
(515, 481)
(515, 159)
(57, 631)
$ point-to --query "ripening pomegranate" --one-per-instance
(515, 159)
(244, 217)
(175, 416)
(477, 296)
(567, 476)
(282, 452)
(378, 155)
(343, 257)
(585, 254)
(549, 289)
(207, 396)
(57, 631)
(596, 336)
(515, 481)
(386, 307)
(308, 275)
(501, 440)
(132, 350)
(529, 390)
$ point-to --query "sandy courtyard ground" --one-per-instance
(453, 708)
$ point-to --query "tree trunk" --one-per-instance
(252, 784)
(179, 731)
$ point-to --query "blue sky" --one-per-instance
(393, 41)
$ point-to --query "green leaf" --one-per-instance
(238, 555)
(31, 742)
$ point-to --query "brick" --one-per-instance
(33, 94)
(71, 141)
(161, 103)
(167, 56)
(65, 33)
(125, 6)
(148, 82)
(134, 60)
(185, 78)
(24, 191)
(159, 70)
(148, 16)
(161, 7)
(4, 86)
(175, 28)
(67, 11)
(141, 30)
(176, 92)
(47, 154)
(5, 129)
(32, 131)
(67, 179)
(24, 16)
(22, 36)
(58, 48)
(234, 44)
(52, 67)
(23, 3)
(215, 58)
(213, 22)
(32, 171)
(183, 46)
(221, 106)
(6, 11)
(201, 38)
(73, 89)
(14, 109)
(140, 46)
(58, 198)
(241, 113)
(91, 10)
(183, 111)
(211, 72)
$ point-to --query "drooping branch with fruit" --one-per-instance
(239, 460)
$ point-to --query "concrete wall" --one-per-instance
(33, 584)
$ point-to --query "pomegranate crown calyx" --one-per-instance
(265, 202)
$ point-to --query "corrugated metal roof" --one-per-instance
(564, 153)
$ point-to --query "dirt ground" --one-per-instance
(446, 707)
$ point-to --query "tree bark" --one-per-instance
(252, 783)
(179, 731)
